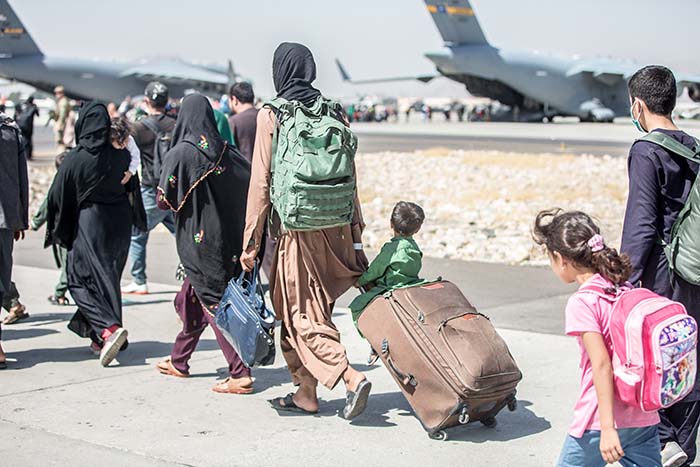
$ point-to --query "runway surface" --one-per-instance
(559, 138)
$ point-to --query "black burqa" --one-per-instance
(90, 213)
(205, 182)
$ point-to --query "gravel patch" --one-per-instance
(479, 205)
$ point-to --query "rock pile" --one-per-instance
(480, 205)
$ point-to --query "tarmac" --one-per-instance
(59, 407)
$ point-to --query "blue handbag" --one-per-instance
(244, 320)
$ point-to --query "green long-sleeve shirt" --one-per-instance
(397, 265)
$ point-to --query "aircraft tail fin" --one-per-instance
(15, 41)
(456, 21)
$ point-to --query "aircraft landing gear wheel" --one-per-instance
(512, 404)
(489, 422)
(438, 435)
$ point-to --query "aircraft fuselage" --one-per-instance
(538, 80)
(82, 79)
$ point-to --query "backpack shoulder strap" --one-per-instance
(611, 295)
(148, 123)
(674, 146)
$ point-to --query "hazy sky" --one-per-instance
(373, 38)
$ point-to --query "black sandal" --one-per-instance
(58, 301)
(3, 365)
(289, 405)
(357, 401)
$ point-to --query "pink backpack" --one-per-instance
(654, 344)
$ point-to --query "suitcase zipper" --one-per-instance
(454, 383)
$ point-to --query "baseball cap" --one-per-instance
(157, 92)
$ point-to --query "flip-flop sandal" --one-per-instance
(15, 317)
(289, 405)
(224, 388)
(166, 368)
(356, 402)
(58, 301)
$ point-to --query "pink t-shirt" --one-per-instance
(586, 312)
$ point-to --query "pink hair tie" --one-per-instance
(597, 243)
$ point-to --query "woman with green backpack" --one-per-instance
(303, 178)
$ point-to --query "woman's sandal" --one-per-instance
(3, 365)
(286, 404)
(356, 401)
(166, 368)
(225, 387)
(58, 301)
(16, 314)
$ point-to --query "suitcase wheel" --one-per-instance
(512, 404)
(464, 417)
(490, 422)
(438, 435)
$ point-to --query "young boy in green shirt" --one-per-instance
(398, 263)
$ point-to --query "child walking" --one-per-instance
(398, 263)
(604, 430)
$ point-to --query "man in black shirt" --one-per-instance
(146, 137)
(659, 185)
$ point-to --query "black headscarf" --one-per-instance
(196, 150)
(82, 170)
(293, 71)
(196, 125)
(205, 182)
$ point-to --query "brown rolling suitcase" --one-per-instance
(446, 357)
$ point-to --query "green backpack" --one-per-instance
(313, 169)
(683, 250)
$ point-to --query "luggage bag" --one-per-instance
(447, 358)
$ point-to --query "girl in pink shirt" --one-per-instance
(604, 430)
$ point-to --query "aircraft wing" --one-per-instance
(607, 72)
(345, 76)
(176, 72)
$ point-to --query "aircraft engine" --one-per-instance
(694, 92)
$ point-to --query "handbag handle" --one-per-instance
(254, 285)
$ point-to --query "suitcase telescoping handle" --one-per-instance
(406, 379)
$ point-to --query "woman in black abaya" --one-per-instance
(90, 214)
(205, 182)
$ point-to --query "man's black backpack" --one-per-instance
(161, 145)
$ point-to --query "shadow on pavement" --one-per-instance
(127, 302)
(512, 425)
(139, 351)
(11, 333)
(135, 355)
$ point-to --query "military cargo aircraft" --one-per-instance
(535, 86)
(22, 60)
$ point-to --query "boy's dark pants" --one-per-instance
(681, 421)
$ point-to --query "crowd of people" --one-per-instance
(210, 181)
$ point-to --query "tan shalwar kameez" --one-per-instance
(311, 269)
